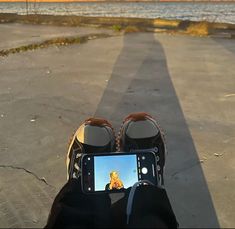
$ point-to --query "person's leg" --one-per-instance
(141, 131)
(71, 207)
(74, 209)
(151, 207)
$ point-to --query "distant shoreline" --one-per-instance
(199, 28)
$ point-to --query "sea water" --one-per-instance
(194, 11)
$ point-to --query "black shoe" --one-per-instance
(141, 131)
(93, 136)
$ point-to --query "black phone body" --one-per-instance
(115, 172)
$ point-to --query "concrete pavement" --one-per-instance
(186, 82)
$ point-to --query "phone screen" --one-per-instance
(116, 172)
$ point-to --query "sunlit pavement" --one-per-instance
(185, 82)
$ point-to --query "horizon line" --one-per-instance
(48, 1)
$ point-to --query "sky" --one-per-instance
(126, 166)
(53, 0)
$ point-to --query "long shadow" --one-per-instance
(140, 81)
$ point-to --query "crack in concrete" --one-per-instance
(41, 179)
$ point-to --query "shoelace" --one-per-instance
(75, 169)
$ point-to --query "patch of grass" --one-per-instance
(61, 41)
(131, 29)
(166, 23)
(117, 28)
(199, 28)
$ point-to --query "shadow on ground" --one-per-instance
(140, 81)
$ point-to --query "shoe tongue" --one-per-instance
(142, 129)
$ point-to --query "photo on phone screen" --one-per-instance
(116, 172)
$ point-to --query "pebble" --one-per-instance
(35, 220)
(218, 155)
(44, 179)
(34, 118)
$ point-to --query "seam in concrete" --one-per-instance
(27, 171)
(185, 169)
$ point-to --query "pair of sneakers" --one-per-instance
(138, 131)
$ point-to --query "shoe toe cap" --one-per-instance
(142, 129)
(94, 135)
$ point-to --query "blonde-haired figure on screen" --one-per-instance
(115, 182)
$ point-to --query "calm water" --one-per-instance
(219, 12)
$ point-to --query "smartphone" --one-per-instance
(115, 172)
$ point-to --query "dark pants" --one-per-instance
(74, 209)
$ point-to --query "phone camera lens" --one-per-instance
(143, 157)
(158, 158)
